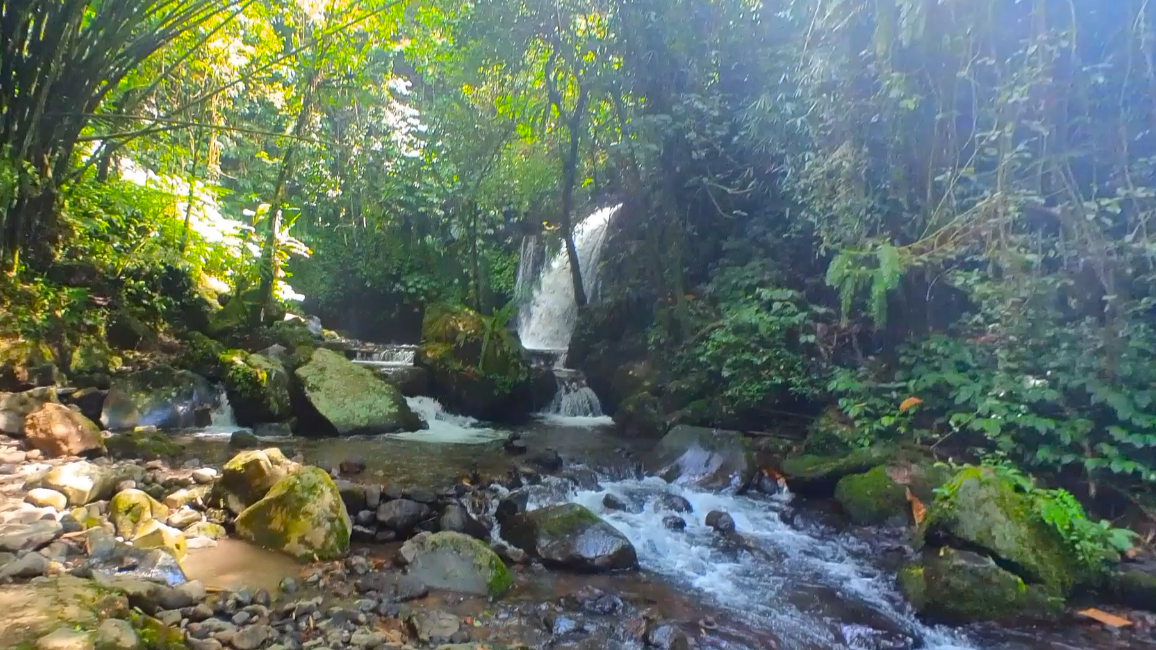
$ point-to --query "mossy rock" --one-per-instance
(257, 387)
(92, 356)
(201, 355)
(962, 587)
(302, 516)
(154, 534)
(481, 374)
(456, 562)
(569, 536)
(145, 444)
(818, 475)
(831, 434)
(1132, 586)
(984, 511)
(351, 399)
(161, 396)
(872, 498)
(640, 416)
(249, 476)
(130, 510)
(294, 334)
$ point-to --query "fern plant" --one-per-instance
(878, 272)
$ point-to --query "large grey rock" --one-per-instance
(29, 566)
(457, 519)
(352, 399)
(429, 624)
(570, 536)
(708, 458)
(456, 562)
(249, 476)
(14, 407)
(160, 396)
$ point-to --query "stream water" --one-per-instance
(804, 580)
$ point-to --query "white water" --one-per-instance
(221, 420)
(547, 320)
(387, 356)
(812, 589)
(445, 427)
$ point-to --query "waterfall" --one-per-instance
(386, 356)
(549, 311)
(548, 317)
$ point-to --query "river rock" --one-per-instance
(570, 536)
(35, 609)
(351, 399)
(15, 407)
(456, 562)
(353, 495)
(81, 482)
(431, 624)
(28, 566)
(713, 459)
(66, 638)
(872, 498)
(302, 516)
(257, 387)
(130, 510)
(986, 512)
(45, 498)
(115, 634)
(457, 519)
(144, 444)
(183, 518)
(720, 521)
(673, 522)
(248, 476)
(402, 515)
(154, 534)
(160, 396)
(57, 430)
(962, 587)
(666, 636)
(818, 475)
(675, 503)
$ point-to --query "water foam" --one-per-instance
(446, 427)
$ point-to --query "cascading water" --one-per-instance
(387, 356)
(546, 321)
(446, 427)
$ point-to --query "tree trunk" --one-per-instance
(570, 179)
(270, 259)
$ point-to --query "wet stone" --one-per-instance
(667, 637)
(720, 521)
(675, 503)
(674, 522)
(611, 502)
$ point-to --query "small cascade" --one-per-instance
(445, 427)
(222, 417)
(386, 356)
(574, 399)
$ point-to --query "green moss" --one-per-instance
(562, 520)
(155, 635)
(293, 334)
(986, 511)
(485, 560)
(257, 386)
(130, 509)
(353, 399)
(912, 585)
(812, 474)
(143, 445)
(832, 433)
(201, 354)
(872, 498)
(302, 515)
(963, 587)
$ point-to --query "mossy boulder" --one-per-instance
(456, 562)
(714, 459)
(350, 399)
(154, 534)
(640, 416)
(130, 510)
(476, 366)
(257, 387)
(293, 334)
(1133, 585)
(162, 396)
(818, 475)
(872, 498)
(571, 537)
(249, 476)
(302, 516)
(57, 430)
(201, 355)
(983, 511)
(964, 587)
(143, 444)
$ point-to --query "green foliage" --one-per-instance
(1095, 544)
(849, 273)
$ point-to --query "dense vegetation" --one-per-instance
(933, 216)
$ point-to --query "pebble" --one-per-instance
(170, 617)
(203, 644)
(242, 617)
(288, 585)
